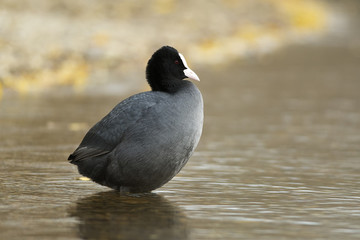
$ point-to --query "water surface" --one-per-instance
(279, 159)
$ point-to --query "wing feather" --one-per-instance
(105, 135)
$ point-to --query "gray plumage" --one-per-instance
(147, 138)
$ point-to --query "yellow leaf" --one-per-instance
(84, 179)
(304, 14)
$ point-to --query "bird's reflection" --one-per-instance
(109, 215)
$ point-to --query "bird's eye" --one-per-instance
(176, 62)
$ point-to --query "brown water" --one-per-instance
(279, 159)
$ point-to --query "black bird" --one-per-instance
(147, 138)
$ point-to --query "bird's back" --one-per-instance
(144, 141)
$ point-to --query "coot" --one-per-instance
(147, 138)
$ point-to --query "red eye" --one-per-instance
(176, 62)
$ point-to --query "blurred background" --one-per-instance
(279, 154)
(103, 46)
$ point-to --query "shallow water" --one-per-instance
(278, 159)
